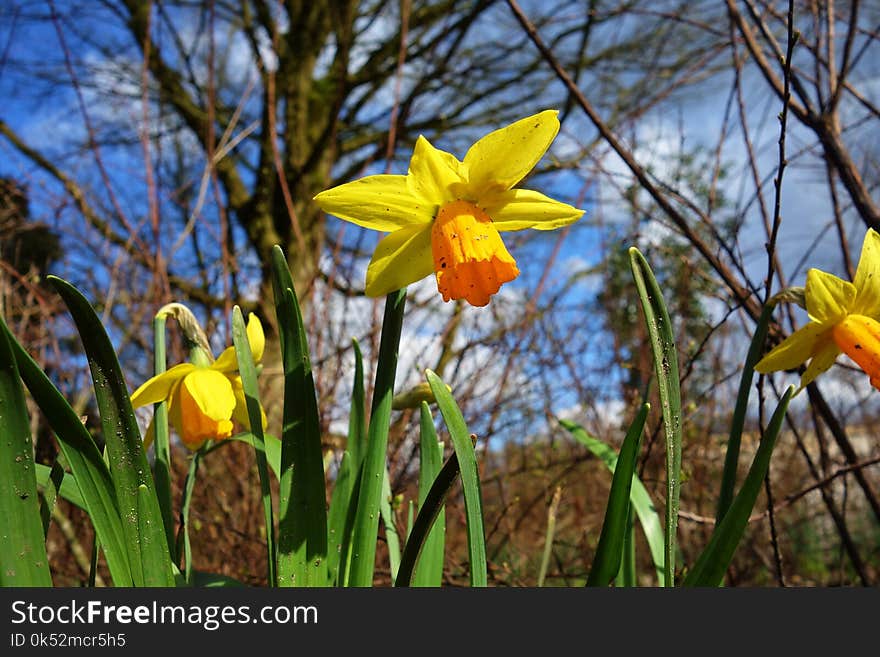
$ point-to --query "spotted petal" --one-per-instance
(867, 279)
(517, 209)
(503, 157)
(382, 202)
(401, 258)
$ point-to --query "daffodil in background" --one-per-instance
(444, 216)
(203, 401)
(843, 318)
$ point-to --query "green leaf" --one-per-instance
(189, 484)
(626, 576)
(639, 497)
(429, 571)
(85, 461)
(470, 478)
(731, 457)
(666, 371)
(248, 372)
(609, 550)
(302, 525)
(23, 560)
(49, 492)
(128, 463)
(68, 490)
(713, 562)
(357, 419)
(366, 520)
(162, 466)
(156, 564)
(392, 538)
(428, 512)
(337, 538)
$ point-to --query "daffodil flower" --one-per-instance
(843, 318)
(445, 215)
(204, 401)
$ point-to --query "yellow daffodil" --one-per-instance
(204, 401)
(445, 215)
(843, 318)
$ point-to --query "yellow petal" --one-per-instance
(381, 202)
(206, 402)
(432, 172)
(822, 360)
(504, 157)
(228, 361)
(867, 279)
(829, 298)
(401, 258)
(240, 412)
(517, 209)
(795, 350)
(256, 337)
(159, 388)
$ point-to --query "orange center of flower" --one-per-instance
(200, 420)
(470, 259)
(859, 338)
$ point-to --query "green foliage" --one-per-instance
(314, 545)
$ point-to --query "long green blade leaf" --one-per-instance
(128, 463)
(639, 497)
(357, 418)
(68, 490)
(470, 478)
(429, 571)
(185, 548)
(337, 540)
(162, 467)
(156, 564)
(392, 538)
(49, 491)
(666, 371)
(609, 550)
(712, 563)
(248, 373)
(23, 560)
(731, 458)
(302, 525)
(366, 521)
(627, 577)
(424, 522)
(85, 462)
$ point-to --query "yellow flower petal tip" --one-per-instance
(844, 317)
(445, 215)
